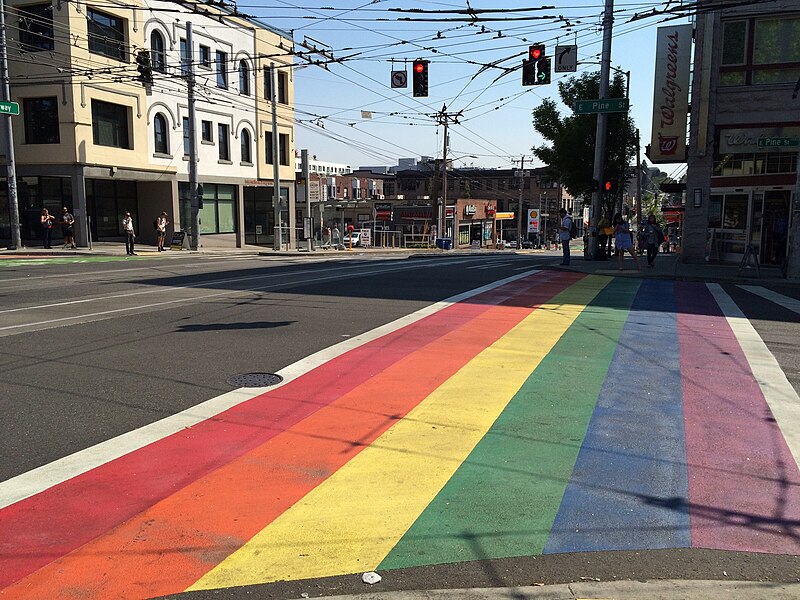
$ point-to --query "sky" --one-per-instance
(369, 39)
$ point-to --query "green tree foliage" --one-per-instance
(570, 151)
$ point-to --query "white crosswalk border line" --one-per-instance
(785, 301)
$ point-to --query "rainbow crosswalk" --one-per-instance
(555, 412)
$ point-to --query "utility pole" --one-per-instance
(444, 119)
(306, 178)
(13, 202)
(600, 132)
(519, 207)
(793, 257)
(194, 198)
(276, 171)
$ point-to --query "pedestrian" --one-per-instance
(46, 220)
(623, 241)
(130, 234)
(653, 238)
(564, 234)
(161, 230)
(603, 232)
(68, 228)
(335, 235)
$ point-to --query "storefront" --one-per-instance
(752, 193)
(475, 222)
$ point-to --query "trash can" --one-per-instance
(443, 243)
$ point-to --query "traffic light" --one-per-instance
(528, 72)
(610, 186)
(144, 66)
(543, 71)
(536, 51)
(420, 78)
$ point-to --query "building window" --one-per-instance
(207, 132)
(160, 136)
(186, 137)
(268, 147)
(184, 58)
(223, 142)
(760, 51)
(36, 27)
(222, 70)
(41, 120)
(244, 78)
(246, 144)
(205, 57)
(158, 54)
(283, 143)
(110, 124)
(283, 82)
(106, 34)
(218, 214)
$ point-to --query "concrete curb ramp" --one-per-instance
(616, 590)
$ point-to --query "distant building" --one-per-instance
(322, 167)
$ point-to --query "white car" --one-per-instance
(356, 239)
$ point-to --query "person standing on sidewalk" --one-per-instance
(47, 228)
(130, 234)
(68, 228)
(564, 235)
(161, 230)
(653, 238)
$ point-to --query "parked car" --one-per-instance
(512, 244)
(527, 245)
(356, 239)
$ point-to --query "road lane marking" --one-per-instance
(46, 476)
(785, 301)
(351, 521)
(99, 315)
(781, 396)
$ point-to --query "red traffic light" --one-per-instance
(419, 67)
(536, 51)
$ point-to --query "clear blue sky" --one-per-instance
(496, 123)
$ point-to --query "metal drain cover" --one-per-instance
(254, 380)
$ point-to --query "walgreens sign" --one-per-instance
(671, 96)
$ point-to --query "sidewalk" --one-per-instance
(618, 590)
(667, 266)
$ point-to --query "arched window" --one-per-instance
(160, 134)
(158, 56)
(244, 140)
(244, 78)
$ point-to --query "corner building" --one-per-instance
(93, 137)
(744, 132)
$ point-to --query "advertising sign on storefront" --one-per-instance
(671, 97)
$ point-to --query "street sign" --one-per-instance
(778, 142)
(609, 105)
(567, 58)
(9, 108)
(399, 79)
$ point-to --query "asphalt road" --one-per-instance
(91, 351)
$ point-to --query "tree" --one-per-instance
(570, 153)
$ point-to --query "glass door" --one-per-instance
(775, 230)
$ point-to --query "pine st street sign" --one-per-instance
(609, 105)
(9, 108)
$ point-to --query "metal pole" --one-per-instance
(276, 176)
(193, 159)
(304, 163)
(638, 182)
(519, 208)
(600, 133)
(443, 206)
(11, 171)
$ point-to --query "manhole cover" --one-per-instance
(254, 380)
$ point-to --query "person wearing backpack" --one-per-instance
(565, 234)
(653, 237)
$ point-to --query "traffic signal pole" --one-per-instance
(600, 134)
(11, 169)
